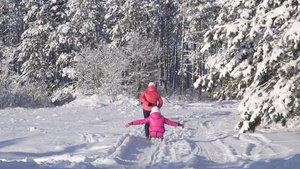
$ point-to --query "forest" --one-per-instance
(54, 50)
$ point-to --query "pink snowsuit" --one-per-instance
(152, 96)
(157, 122)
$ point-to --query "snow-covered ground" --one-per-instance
(90, 133)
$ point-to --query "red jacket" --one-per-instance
(152, 96)
(157, 122)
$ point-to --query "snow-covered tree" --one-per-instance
(7, 67)
(11, 22)
(38, 52)
(142, 54)
(14, 94)
(87, 17)
(197, 17)
(256, 59)
(273, 96)
(114, 70)
(125, 17)
(117, 21)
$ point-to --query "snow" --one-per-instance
(231, 29)
(90, 133)
(293, 34)
(246, 14)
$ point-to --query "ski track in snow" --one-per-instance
(94, 137)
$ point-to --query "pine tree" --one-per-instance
(11, 20)
(251, 52)
(87, 16)
(274, 90)
(39, 51)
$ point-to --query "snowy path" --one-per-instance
(90, 134)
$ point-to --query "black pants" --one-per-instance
(146, 114)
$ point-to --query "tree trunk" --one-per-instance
(194, 65)
(200, 85)
(176, 60)
(182, 60)
(161, 61)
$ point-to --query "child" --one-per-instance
(157, 122)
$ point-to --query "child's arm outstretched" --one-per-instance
(172, 123)
(137, 122)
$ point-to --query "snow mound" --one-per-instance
(98, 101)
